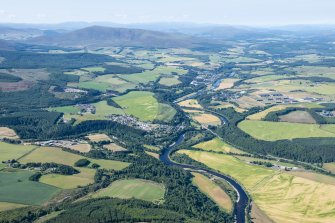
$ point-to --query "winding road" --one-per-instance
(242, 200)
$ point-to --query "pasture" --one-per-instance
(15, 187)
(57, 155)
(133, 188)
(85, 177)
(144, 106)
(13, 151)
(273, 131)
(5, 206)
(169, 81)
(217, 145)
(282, 197)
(213, 191)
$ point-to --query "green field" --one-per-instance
(272, 131)
(283, 197)
(12, 151)
(66, 109)
(15, 187)
(144, 105)
(5, 206)
(133, 188)
(84, 178)
(217, 145)
(94, 69)
(169, 81)
(57, 155)
(152, 75)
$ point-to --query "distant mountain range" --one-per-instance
(99, 36)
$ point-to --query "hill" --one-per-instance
(98, 36)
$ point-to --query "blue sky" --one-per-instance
(242, 12)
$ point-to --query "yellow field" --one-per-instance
(217, 145)
(263, 114)
(282, 197)
(207, 119)
(213, 191)
(5, 206)
(155, 155)
(7, 133)
(83, 148)
(330, 167)
(85, 177)
(227, 83)
(191, 103)
(114, 147)
(50, 154)
(98, 137)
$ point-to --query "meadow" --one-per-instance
(217, 145)
(144, 105)
(213, 191)
(12, 151)
(282, 197)
(15, 187)
(169, 81)
(273, 131)
(133, 188)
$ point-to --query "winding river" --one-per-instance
(242, 200)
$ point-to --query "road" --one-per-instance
(242, 201)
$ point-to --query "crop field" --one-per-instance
(85, 177)
(7, 133)
(98, 137)
(191, 103)
(5, 206)
(298, 117)
(144, 106)
(246, 102)
(169, 81)
(56, 155)
(114, 147)
(282, 197)
(227, 83)
(11, 151)
(217, 145)
(207, 119)
(82, 147)
(15, 187)
(330, 167)
(213, 191)
(315, 71)
(272, 131)
(260, 115)
(133, 188)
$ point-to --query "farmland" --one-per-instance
(16, 188)
(217, 145)
(169, 81)
(144, 106)
(56, 155)
(282, 197)
(11, 151)
(191, 103)
(133, 188)
(298, 117)
(227, 83)
(272, 131)
(206, 119)
(213, 191)
(7, 133)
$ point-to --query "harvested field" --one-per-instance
(155, 155)
(257, 215)
(227, 83)
(217, 145)
(7, 133)
(191, 103)
(114, 147)
(330, 167)
(98, 137)
(82, 147)
(207, 119)
(282, 197)
(298, 117)
(213, 191)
